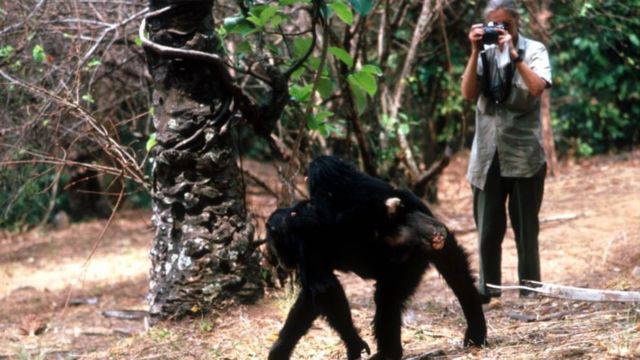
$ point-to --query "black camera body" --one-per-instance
(491, 33)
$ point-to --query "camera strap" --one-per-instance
(499, 91)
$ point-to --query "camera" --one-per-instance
(491, 32)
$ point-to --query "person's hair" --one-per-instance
(509, 6)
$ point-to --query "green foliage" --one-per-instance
(38, 53)
(260, 20)
(342, 55)
(6, 51)
(23, 195)
(88, 98)
(363, 7)
(151, 141)
(365, 81)
(94, 63)
(342, 10)
(596, 72)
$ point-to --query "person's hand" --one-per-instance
(506, 38)
(475, 36)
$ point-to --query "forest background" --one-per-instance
(228, 101)
(74, 80)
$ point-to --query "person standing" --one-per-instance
(507, 166)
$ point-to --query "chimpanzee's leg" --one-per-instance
(324, 296)
(333, 304)
(392, 291)
(453, 264)
(298, 322)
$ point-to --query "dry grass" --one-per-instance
(599, 247)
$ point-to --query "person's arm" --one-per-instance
(535, 83)
(469, 87)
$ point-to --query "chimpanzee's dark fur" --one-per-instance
(346, 226)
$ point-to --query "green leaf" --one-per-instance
(317, 121)
(6, 51)
(359, 94)
(322, 115)
(88, 98)
(94, 63)
(365, 81)
(313, 63)
(404, 128)
(325, 87)
(255, 20)
(634, 39)
(238, 25)
(232, 21)
(38, 53)
(243, 47)
(342, 10)
(301, 46)
(372, 69)
(388, 123)
(296, 75)
(342, 55)
(277, 19)
(267, 14)
(151, 142)
(138, 41)
(300, 93)
(363, 7)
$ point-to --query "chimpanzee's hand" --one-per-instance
(475, 336)
(279, 351)
(355, 349)
(381, 356)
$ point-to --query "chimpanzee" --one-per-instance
(361, 224)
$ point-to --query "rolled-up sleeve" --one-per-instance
(539, 62)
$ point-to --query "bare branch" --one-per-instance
(9, 28)
(107, 143)
(574, 293)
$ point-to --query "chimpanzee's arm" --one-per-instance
(333, 304)
(452, 263)
(298, 322)
(328, 297)
(329, 300)
(321, 294)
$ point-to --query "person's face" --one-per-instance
(504, 17)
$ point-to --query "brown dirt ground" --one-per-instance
(590, 236)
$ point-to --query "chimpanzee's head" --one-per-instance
(279, 240)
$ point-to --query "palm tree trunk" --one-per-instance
(202, 252)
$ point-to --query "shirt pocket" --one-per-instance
(520, 100)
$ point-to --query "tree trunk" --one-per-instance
(202, 252)
(547, 133)
(539, 10)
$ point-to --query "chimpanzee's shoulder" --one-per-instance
(411, 201)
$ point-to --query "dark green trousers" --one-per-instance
(523, 196)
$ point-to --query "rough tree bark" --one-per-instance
(540, 13)
(202, 252)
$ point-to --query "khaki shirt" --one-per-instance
(513, 127)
